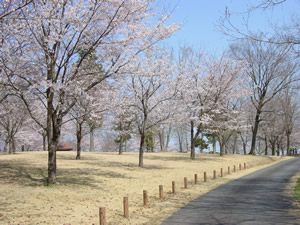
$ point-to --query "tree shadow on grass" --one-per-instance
(16, 173)
(185, 158)
(125, 165)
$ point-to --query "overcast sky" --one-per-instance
(200, 17)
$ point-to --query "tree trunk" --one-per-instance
(92, 139)
(168, 138)
(273, 144)
(235, 145)
(244, 144)
(161, 135)
(5, 149)
(121, 145)
(179, 137)
(141, 153)
(221, 148)
(226, 147)
(186, 141)
(52, 163)
(245, 148)
(79, 138)
(125, 146)
(192, 141)
(266, 145)
(11, 151)
(288, 149)
(254, 133)
(44, 142)
(214, 144)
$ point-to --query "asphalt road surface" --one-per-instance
(256, 199)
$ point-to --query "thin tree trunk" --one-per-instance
(161, 135)
(186, 141)
(192, 141)
(125, 146)
(288, 143)
(92, 139)
(214, 144)
(168, 138)
(79, 138)
(179, 138)
(44, 142)
(235, 145)
(266, 145)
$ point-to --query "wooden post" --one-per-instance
(245, 166)
(161, 192)
(215, 174)
(221, 172)
(126, 208)
(228, 169)
(240, 166)
(196, 178)
(185, 183)
(145, 198)
(204, 177)
(173, 187)
(102, 216)
(234, 168)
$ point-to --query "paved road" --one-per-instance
(256, 199)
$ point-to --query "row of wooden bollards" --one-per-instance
(102, 211)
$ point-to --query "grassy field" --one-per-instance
(103, 179)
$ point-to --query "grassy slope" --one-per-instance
(102, 180)
(297, 190)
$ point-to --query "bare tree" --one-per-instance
(287, 33)
(164, 135)
(289, 114)
(270, 71)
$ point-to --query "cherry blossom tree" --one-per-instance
(9, 7)
(207, 86)
(47, 45)
(152, 88)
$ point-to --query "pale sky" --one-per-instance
(200, 17)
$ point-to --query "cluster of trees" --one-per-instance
(98, 65)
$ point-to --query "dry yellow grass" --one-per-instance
(102, 180)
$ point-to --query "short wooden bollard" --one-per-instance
(204, 179)
(228, 169)
(245, 166)
(102, 216)
(145, 198)
(161, 192)
(173, 187)
(126, 207)
(185, 183)
(221, 172)
(196, 178)
(234, 168)
(215, 174)
(240, 166)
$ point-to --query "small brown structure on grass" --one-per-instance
(62, 146)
